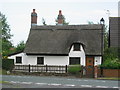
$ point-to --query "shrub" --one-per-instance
(7, 64)
(111, 58)
(75, 69)
(113, 64)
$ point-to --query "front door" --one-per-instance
(89, 66)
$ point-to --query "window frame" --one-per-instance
(40, 62)
(76, 47)
(19, 61)
(72, 63)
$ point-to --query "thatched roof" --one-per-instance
(57, 40)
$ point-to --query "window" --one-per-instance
(40, 60)
(76, 47)
(18, 59)
(74, 60)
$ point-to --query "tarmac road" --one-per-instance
(54, 82)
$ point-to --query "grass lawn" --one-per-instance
(109, 78)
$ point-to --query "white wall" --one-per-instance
(49, 60)
(14, 57)
(80, 54)
(97, 60)
(57, 60)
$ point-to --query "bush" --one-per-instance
(7, 64)
(74, 69)
(111, 59)
(114, 64)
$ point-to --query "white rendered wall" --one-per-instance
(80, 54)
(49, 60)
(21, 55)
(97, 60)
(57, 60)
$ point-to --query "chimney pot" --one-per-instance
(60, 18)
(60, 12)
(33, 10)
(33, 18)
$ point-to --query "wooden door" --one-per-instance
(89, 61)
(89, 66)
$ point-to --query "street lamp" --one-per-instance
(102, 21)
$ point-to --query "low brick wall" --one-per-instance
(111, 72)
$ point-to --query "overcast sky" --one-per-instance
(18, 13)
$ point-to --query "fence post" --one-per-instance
(29, 68)
(96, 71)
(46, 68)
(66, 68)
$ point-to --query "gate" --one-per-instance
(89, 71)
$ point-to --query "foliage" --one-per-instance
(111, 53)
(20, 46)
(7, 46)
(111, 58)
(7, 64)
(43, 21)
(90, 22)
(106, 37)
(64, 21)
(6, 36)
(75, 69)
(113, 64)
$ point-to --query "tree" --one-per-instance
(64, 21)
(5, 36)
(106, 37)
(20, 46)
(90, 22)
(43, 21)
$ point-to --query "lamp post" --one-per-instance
(102, 21)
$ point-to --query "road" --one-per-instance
(54, 82)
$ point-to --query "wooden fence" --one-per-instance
(41, 68)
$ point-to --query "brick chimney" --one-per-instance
(33, 18)
(60, 18)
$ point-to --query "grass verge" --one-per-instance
(109, 78)
(4, 82)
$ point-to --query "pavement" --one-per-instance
(12, 81)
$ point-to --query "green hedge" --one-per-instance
(111, 58)
(114, 64)
(7, 64)
(75, 69)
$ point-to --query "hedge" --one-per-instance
(75, 69)
(7, 64)
(111, 64)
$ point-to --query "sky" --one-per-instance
(76, 12)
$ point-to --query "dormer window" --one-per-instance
(76, 47)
